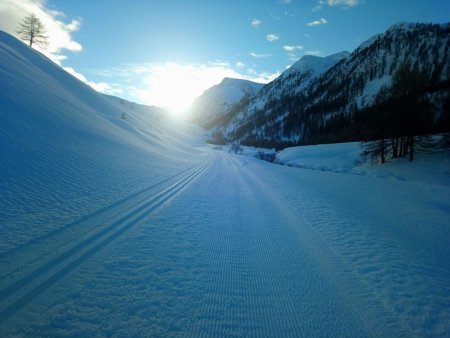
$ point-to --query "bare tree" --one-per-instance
(33, 31)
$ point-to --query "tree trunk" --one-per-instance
(411, 149)
(394, 147)
(406, 146)
(401, 147)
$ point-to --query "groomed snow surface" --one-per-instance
(234, 246)
(118, 222)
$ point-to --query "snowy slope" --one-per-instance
(300, 74)
(217, 100)
(65, 149)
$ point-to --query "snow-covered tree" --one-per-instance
(33, 31)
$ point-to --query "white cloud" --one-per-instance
(260, 56)
(261, 77)
(319, 6)
(313, 52)
(101, 87)
(333, 3)
(291, 49)
(220, 63)
(347, 3)
(319, 22)
(272, 37)
(256, 23)
(240, 64)
(59, 32)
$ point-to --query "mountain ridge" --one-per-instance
(323, 108)
(217, 100)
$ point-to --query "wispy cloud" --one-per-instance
(313, 52)
(101, 87)
(219, 63)
(261, 77)
(334, 3)
(256, 23)
(59, 29)
(240, 64)
(318, 6)
(319, 22)
(346, 3)
(272, 37)
(260, 56)
(291, 49)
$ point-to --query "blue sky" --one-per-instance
(167, 52)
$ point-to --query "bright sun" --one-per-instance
(177, 93)
(175, 88)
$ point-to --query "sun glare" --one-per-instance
(175, 86)
(177, 93)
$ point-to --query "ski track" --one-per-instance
(37, 275)
(242, 252)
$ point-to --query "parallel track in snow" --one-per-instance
(23, 284)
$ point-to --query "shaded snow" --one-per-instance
(346, 158)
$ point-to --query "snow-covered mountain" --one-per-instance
(316, 100)
(291, 82)
(216, 101)
(297, 77)
(221, 103)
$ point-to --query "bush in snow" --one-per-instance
(236, 148)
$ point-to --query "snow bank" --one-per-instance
(339, 157)
(345, 158)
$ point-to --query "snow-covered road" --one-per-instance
(233, 246)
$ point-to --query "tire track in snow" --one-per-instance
(33, 283)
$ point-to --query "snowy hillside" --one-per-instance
(296, 78)
(296, 109)
(67, 150)
(216, 101)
